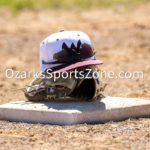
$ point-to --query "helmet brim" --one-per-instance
(67, 67)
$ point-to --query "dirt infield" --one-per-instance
(121, 38)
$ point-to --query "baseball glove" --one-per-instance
(87, 87)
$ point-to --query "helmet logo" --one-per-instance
(76, 49)
(74, 53)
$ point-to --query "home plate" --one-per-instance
(65, 112)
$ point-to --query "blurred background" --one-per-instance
(17, 5)
(119, 30)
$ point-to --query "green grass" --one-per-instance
(17, 5)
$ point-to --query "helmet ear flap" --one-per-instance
(86, 90)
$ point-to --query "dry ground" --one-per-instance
(121, 38)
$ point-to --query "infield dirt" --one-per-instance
(122, 40)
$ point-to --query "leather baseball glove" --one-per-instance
(85, 86)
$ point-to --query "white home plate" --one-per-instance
(73, 112)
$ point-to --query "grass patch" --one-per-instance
(17, 5)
